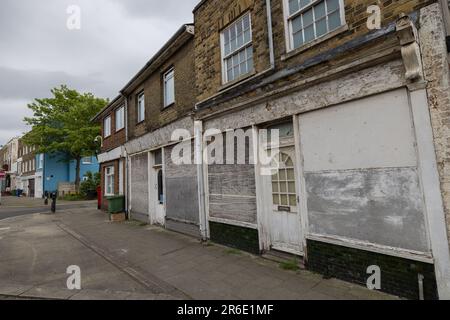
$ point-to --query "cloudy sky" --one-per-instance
(39, 52)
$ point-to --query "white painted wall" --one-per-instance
(374, 132)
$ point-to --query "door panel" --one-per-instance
(285, 226)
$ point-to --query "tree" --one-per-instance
(62, 124)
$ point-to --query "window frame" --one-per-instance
(138, 100)
(108, 133)
(120, 111)
(107, 177)
(83, 161)
(289, 36)
(244, 46)
(165, 80)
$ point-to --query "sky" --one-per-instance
(38, 51)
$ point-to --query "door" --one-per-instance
(31, 188)
(158, 194)
(284, 216)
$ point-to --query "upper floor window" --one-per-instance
(237, 49)
(120, 118)
(169, 88)
(309, 20)
(86, 160)
(107, 126)
(141, 107)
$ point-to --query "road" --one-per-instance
(16, 211)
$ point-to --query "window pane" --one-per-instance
(308, 18)
(293, 201)
(309, 34)
(282, 175)
(290, 174)
(319, 10)
(169, 88)
(246, 22)
(298, 39)
(250, 65)
(297, 24)
(283, 187)
(284, 200)
(291, 187)
(293, 6)
(276, 199)
(334, 20)
(321, 27)
(304, 3)
(332, 5)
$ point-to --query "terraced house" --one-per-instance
(362, 177)
(157, 101)
(358, 97)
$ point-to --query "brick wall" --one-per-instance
(208, 27)
(399, 276)
(156, 115)
(117, 138)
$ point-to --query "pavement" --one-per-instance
(130, 260)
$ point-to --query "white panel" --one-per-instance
(374, 132)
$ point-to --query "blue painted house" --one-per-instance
(53, 169)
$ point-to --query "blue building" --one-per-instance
(53, 169)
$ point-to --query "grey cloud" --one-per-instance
(30, 84)
(38, 52)
(168, 9)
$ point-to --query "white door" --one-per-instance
(157, 194)
(284, 218)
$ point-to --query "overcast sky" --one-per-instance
(39, 52)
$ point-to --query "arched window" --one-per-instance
(283, 182)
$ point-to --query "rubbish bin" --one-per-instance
(116, 204)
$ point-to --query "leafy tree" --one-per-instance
(90, 185)
(62, 124)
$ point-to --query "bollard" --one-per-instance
(54, 202)
(46, 198)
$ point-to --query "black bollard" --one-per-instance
(46, 198)
(54, 202)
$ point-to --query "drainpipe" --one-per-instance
(125, 174)
(270, 34)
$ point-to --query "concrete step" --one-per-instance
(281, 257)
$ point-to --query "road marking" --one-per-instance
(5, 229)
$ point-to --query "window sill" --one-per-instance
(140, 123)
(236, 81)
(168, 106)
(311, 44)
(120, 130)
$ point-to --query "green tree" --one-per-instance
(62, 124)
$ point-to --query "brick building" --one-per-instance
(112, 157)
(359, 175)
(26, 165)
(356, 181)
(157, 100)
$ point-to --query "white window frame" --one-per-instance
(120, 118)
(83, 160)
(107, 127)
(242, 47)
(169, 75)
(41, 161)
(140, 105)
(109, 177)
(289, 36)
